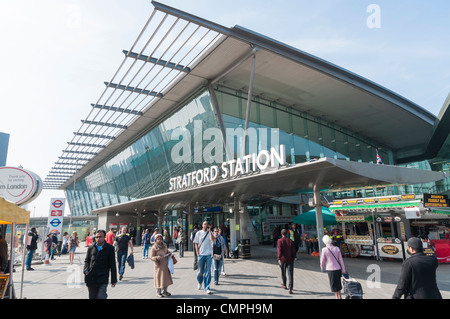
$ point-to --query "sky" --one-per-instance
(56, 55)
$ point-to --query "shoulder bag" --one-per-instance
(335, 258)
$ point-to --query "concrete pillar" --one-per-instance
(235, 225)
(138, 229)
(189, 226)
(319, 218)
(246, 226)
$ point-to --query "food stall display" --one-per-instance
(385, 232)
(357, 243)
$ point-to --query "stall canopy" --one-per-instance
(309, 218)
(11, 213)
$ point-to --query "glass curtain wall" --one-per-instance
(306, 138)
(182, 143)
(144, 168)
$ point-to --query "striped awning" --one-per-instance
(376, 206)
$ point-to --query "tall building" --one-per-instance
(229, 125)
(4, 143)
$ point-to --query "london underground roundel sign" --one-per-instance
(18, 185)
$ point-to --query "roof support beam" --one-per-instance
(74, 158)
(81, 152)
(156, 61)
(249, 103)
(86, 144)
(132, 89)
(116, 109)
(65, 168)
(95, 135)
(105, 124)
(72, 164)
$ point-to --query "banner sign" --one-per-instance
(55, 217)
(435, 200)
(18, 185)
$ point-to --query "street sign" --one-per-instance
(56, 215)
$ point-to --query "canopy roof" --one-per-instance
(11, 213)
(284, 74)
(325, 173)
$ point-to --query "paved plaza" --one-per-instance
(256, 278)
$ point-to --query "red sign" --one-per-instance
(56, 213)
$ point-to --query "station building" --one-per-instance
(201, 121)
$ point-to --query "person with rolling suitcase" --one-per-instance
(352, 288)
(331, 261)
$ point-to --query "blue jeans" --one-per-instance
(217, 269)
(29, 258)
(121, 260)
(204, 270)
(145, 252)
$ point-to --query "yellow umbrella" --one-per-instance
(11, 213)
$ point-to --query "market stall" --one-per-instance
(11, 214)
(376, 226)
(357, 233)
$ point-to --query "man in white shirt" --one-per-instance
(203, 242)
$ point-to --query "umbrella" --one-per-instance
(309, 218)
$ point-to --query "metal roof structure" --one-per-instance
(177, 54)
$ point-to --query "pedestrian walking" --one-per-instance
(203, 242)
(286, 257)
(332, 262)
(160, 255)
(294, 235)
(221, 234)
(174, 239)
(110, 237)
(73, 244)
(418, 275)
(123, 241)
(180, 242)
(31, 246)
(194, 232)
(54, 246)
(152, 239)
(275, 235)
(48, 247)
(218, 253)
(166, 237)
(99, 263)
(65, 245)
(146, 242)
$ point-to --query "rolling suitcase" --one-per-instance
(352, 288)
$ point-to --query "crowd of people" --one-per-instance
(110, 251)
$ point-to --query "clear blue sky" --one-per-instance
(56, 54)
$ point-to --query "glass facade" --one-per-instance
(305, 137)
(181, 143)
(144, 168)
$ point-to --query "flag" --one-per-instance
(379, 161)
